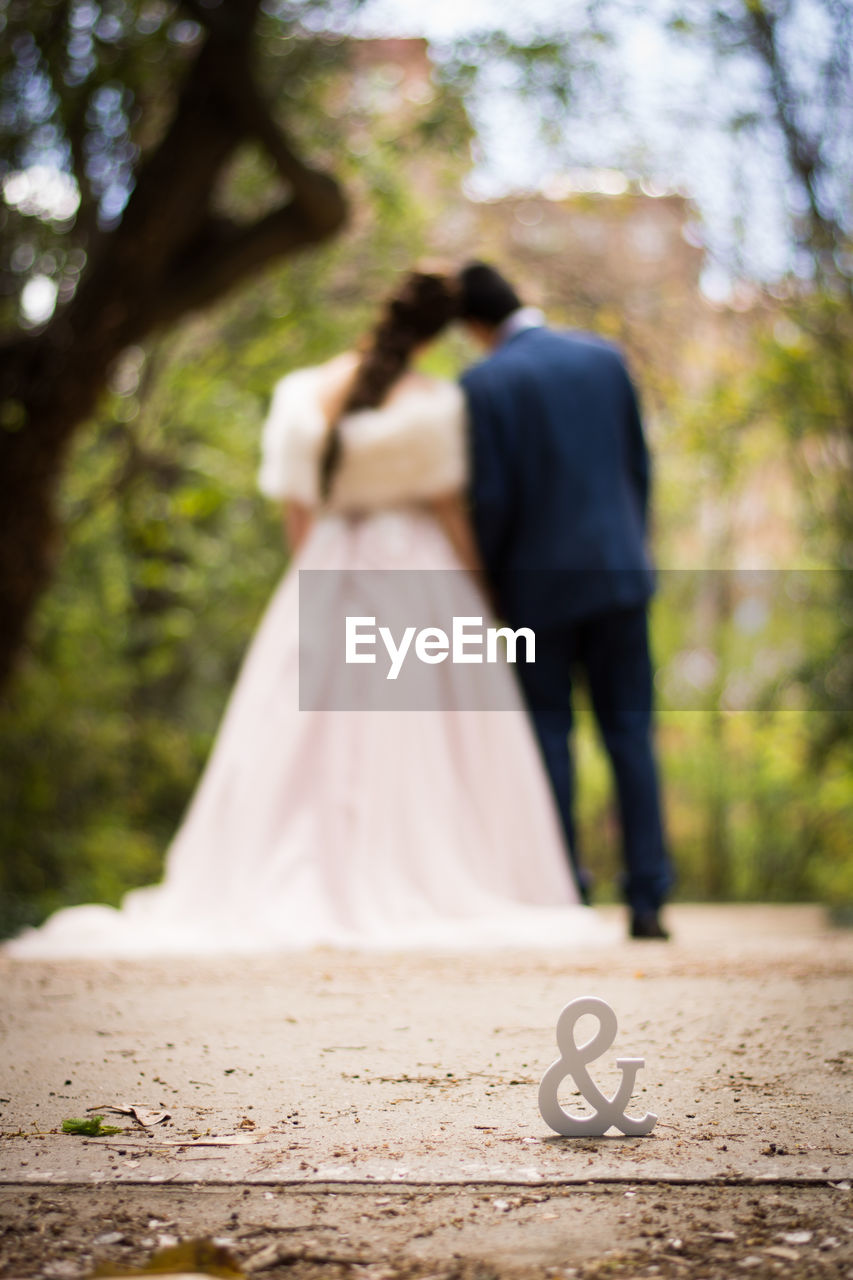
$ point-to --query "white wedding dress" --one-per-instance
(363, 827)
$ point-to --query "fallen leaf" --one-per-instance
(143, 1116)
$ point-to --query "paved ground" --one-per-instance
(335, 1112)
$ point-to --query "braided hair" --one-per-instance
(424, 304)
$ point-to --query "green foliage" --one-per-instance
(106, 731)
(749, 814)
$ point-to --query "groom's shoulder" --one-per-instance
(584, 342)
(542, 347)
(590, 354)
(517, 350)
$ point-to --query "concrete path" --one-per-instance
(327, 1073)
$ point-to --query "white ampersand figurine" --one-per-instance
(573, 1059)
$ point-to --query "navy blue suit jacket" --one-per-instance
(560, 478)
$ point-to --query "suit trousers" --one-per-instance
(611, 650)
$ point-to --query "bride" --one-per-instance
(322, 818)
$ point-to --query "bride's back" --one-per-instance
(408, 449)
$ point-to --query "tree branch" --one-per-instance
(804, 153)
(225, 253)
(310, 188)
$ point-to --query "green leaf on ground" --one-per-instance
(90, 1127)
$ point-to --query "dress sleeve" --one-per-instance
(292, 439)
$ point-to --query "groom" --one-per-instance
(560, 494)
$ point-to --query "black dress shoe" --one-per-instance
(645, 924)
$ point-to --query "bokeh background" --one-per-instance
(199, 196)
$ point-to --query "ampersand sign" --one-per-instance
(573, 1059)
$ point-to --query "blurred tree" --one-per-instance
(171, 554)
(809, 378)
(795, 81)
(138, 109)
(794, 85)
(122, 121)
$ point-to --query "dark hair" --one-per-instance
(424, 304)
(485, 295)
